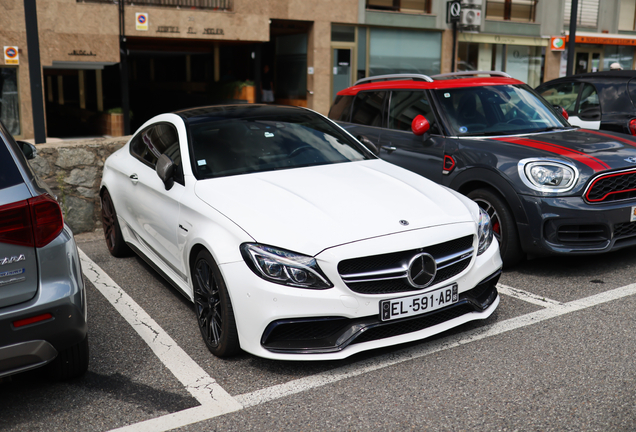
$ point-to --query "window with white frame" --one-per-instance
(511, 10)
(586, 15)
(627, 16)
(404, 6)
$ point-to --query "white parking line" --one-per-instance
(527, 296)
(196, 381)
(216, 402)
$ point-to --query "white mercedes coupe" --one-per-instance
(291, 238)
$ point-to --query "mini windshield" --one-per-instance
(496, 110)
(256, 143)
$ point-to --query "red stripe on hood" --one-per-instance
(621, 139)
(592, 162)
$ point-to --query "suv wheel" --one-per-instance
(503, 224)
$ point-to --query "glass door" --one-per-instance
(342, 70)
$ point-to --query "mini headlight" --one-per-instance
(284, 267)
(547, 175)
(484, 231)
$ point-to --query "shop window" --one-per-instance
(9, 100)
(404, 6)
(587, 13)
(341, 33)
(404, 51)
(624, 55)
(368, 108)
(511, 10)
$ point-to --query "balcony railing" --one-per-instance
(222, 5)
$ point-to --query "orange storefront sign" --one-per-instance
(600, 40)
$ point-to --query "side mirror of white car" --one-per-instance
(165, 170)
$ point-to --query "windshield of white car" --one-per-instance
(232, 146)
(496, 110)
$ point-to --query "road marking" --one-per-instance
(216, 402)
(197, 382)
(527, 296)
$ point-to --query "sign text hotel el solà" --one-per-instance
(191, 30)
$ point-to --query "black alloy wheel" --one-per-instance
(112, 232)
(215, 315)
(503, 224)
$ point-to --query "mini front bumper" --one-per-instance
(348, 321)
(568, 225)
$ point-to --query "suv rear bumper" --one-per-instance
(569, 225)
(61, 293)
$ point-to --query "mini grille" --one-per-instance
(613, 187)
(400, 260)
(624, 229)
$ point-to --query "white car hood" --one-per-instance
(308, 210)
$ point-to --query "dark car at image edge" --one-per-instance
(42, 293)
(549, 188)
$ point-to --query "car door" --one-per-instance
(400, 146)
(563, 94)
(367, 116)
(155, 209)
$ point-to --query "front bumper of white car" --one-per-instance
(282, 322)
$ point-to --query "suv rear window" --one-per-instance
(9, 173)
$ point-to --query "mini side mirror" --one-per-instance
(28, 149)
(420, 125)
(561, 111)
(165, 170)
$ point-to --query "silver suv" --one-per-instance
(42, 294)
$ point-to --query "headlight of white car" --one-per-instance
(484, 231)
(284, 267)
(548, 175)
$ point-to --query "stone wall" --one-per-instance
(73, 170)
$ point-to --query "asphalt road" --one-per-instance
(558, 354)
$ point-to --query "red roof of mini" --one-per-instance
(436, 84)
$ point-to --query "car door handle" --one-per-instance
(134, 178)
(389, 149)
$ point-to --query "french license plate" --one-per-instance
(632, 216)
(404, 307)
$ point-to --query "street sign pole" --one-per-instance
(453, 15)
(572, 38)
(35, 71)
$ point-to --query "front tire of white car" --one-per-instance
(213, 307)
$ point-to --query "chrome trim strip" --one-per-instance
(393, 77)
(472, 73)
(392, 274)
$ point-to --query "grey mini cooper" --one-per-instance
(42, 294)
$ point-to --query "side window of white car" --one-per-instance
(152, 142)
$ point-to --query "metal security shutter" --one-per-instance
(587, 13)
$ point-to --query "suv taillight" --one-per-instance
(33, 222)
(632, 126)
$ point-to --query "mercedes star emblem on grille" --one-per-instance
(422, 270)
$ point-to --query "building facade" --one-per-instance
(184, 53)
